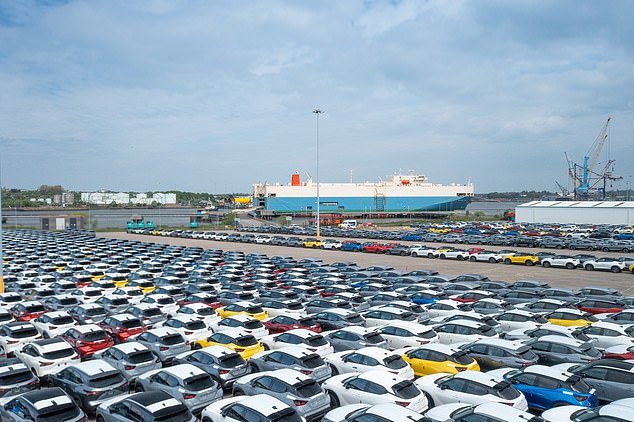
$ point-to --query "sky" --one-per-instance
(213, 96)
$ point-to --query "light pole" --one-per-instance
(317, 113)
(1, 237)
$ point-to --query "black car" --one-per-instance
(16, 378)
(40, 405)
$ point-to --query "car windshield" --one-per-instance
(36, 308)
(593, 415)
(285, 415)
(355, 319)
(195, 325)
(526, 353)
(252, 325)
(316, 341)
(427, 334)
(105, 380)
(15, 377)
(141, 356)
(62, 320)
(307, 388)
(307, 322)
(131, 323)
(199, 382)
(254, 309)
(462, 358)
(373, 338)
(95, 312)
(232, 360)
(24, 332)
(487, 331)
(63, 412)
(312, 361)
(589, 350)
(176, 414)
(152, 312)
(94, 336)
(246, 341)
(506, 391)
(58, 354)
(406, 390)
(394, 362)
(172, 339)
(578, 385)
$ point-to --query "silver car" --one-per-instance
(352, 338)
(191, 385)
(131, 358)
(291, 387)
(223, 364)
(292, 357)
(149, 406)
(164, 342)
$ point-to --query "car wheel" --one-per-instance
(474, 259)
(206, 419)
(334, 401)
(403, 253)
(529, 263)
(573, 247)
(430, 401)
(570, 266)
(546, 264)
(615, 269)
(559, 247)
(589, 267)
(100, 418)
(414, 254)
(430, 255)
(333, 371)
(442, 256)
(590, 248)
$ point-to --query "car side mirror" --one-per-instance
(275, 339)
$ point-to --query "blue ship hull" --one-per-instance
(366, 204)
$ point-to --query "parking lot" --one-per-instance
(556, 277)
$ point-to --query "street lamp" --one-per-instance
(317, 112)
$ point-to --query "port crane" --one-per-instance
(587, 177)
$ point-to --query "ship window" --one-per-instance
(272, 195)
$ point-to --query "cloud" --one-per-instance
(217, 95)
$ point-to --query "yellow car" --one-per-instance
(632, 268)
(570, 318)
(312, 243)
(237, 340)
(438, 358)
(521, 258)
(146, 286)
(242, 308)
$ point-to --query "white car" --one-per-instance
(87, 294)
(470, 387)
(261, 240)
(424, 251)
(373, 413)
(516, 319)
(606, 264)
(261, 407)
(464, 331)
(166, 303)
(374, 387)
(402, 334)
(607, 334)
(299, 337)
(459, 254)
(247, 323)
(443, 308)
(276, 307)
(53, 324)
(189, 326)
(369, 359)
(331, 244)
(609, 412)
(47, 356)
(564, 261)
(481, 412)
(385, 315)
(16, 334)
(486, 256)
(134, 294)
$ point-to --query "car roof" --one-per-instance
(263, 404)
(356, 329)
(479, 377)
(93, 367)
(437, 347)
(295, 351)
(339, 311)
(51, 344)
(302, 332)
(374, 352)
(467, 322)
(289, 376)
(505, 344)
(183, 370)
(383, 378)
(41, 399)
(87, 328)
(548, 372)
(129, 347)
(123, 317)
(241, 318)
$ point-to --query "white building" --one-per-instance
(122, 198)
(576, 212)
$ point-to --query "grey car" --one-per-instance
(223, 364)
(613, 379)
(16, 378)
(88, 313)
(292, 357)
(498, 353)
(149, 314)
(61, 302)
(90, 383)
(185, 382)
(113, 304)
(147, 407)
(334, 319)
(318, 305)
(46, 404)
(385, 298)
(131, 358)
(554, 349)
(166, 343)
(355, 337)
(291, 387)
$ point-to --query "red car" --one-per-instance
(88, 339)
(26, 311)
(122, 326)
(372, 247)
(471, 297)
(599, 306)
(282, 323)
(623, 352)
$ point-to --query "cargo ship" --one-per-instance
(396, 194)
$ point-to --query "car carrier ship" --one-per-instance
(396, 194)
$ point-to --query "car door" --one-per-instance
(525, 383)
(597, 378)
(451, 391)
(354, 391)
(446, 333)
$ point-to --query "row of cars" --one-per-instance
(583, 237)
(142, 331)
(546, 259)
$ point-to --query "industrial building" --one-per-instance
(123, 198)
(576, 212)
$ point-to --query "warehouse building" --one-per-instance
(576, 212)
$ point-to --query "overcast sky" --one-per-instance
(213, 96)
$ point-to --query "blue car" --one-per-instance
(351, 246)
(426, 297)
(412, 237)
(546, 387)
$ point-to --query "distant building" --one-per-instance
(576, 212)
(122, 198)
